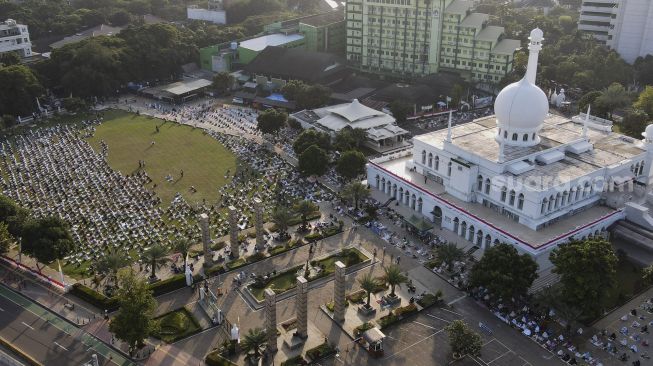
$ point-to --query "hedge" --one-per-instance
(321, 351)
(94, 298)
(214, 359)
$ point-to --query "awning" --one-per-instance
(419, 223)
(373, 335)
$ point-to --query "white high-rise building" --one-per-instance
(14, 37)
(623, 25)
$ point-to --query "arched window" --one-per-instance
(407, 198)
(383, 184)
(512, 198)
(419, 205)
(430, 160)
(487, 185)
(479, 183)
(520, 201)
(503, 194)
(514, 137)
(565, 198)
(586, 189)
(525, 138)
(423, 156)
(437, 163)
(479, 238)
(545, 203)
(533, 138)
(456, 223)
(377, 181)
(505, 134)
(470, 234)
(558, 200)
(641, 169)
(578, 189)
(552, 201)
(401, 194)
(449, 169)
(413, 201)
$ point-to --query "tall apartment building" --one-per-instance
(623, 25)
(14, 37)
(420, 37)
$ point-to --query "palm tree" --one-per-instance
(281, 217)
(369, 284)
(109, 265)
(254, 341)
(613, 97)
(305, 208)
(354, 192)
(182, 246)
(394, 277)
(449, 253)
(156, 255)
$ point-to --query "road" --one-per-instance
(48, 338)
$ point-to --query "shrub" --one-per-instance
(363, 328)
(321, 351)
(219, 245)
(386, 320)
(256, 257)
(430, 299)
(94, 298)
(313, 237)
(168, 285)
(215, 359)
(356, 297)
(217, 269)
(406, 310)
(297, 360)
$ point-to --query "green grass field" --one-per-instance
(203, 159)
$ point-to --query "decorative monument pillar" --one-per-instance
(233, 232)
(258, 213)
(302, 307)
(339, 300)
(206, 240)
(271, 319)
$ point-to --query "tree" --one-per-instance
(305, 208)
(281, 217)
(587, 100)
(504, 272)
(457, 93)
(74, 104)
(271, 120)
(109, 265)
(394, 277)
(156, 256)
(46, 239)
(463, 340)
(351, 164)
(645, 100)
(120, 18)
(400, 110)
(5, 239)
(254, 340)
(293, 89)
(133, 323)
(9, 58)
(587, 271)
(369, 284)
(222, 82)
(13, 215)
(311, 137)
(634, 123)
(20, 88)
(450, 253)
(313, 161)
(183, 246)
(613, 97)
(313, 96)
(644, 70)
(355, 192)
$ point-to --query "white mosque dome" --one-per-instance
(648, 133)
(521, 106)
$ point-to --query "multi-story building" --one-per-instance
(419, 37)
(14, 37)
(323, 32)
(623, 25)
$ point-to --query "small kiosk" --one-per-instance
(373, 342)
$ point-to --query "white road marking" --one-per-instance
(1, 309)
(444, 320)
(60, 346)
(453, 302)
(27, 325)
(425, 325)
(414, 344)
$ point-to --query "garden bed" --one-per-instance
(396, 315)
(215, 359)
(322, 351)
(176, 325)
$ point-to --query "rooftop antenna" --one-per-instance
(586, 121)
(449, 127)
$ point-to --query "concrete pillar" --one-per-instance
(339, 300)
(302, 307)
(271, 319)
(258, 224)
(206, 240)
(233, 231)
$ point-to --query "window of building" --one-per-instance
(437, 162)
(514, 137)
(504, 190)
(487, 185)
(511, 202)
(449, 169)
(520, 201)
(479, 183)
(423, 156)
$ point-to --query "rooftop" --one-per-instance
(490, 33)
(458, 7)
(477, 138)
(297, 63)
(277, 39)
(506, 46)
(474, 20)
(536, 239)
(100, 30)
(320, 20)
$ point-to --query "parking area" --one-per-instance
(423, 341)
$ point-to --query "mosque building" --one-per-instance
(524, 176)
